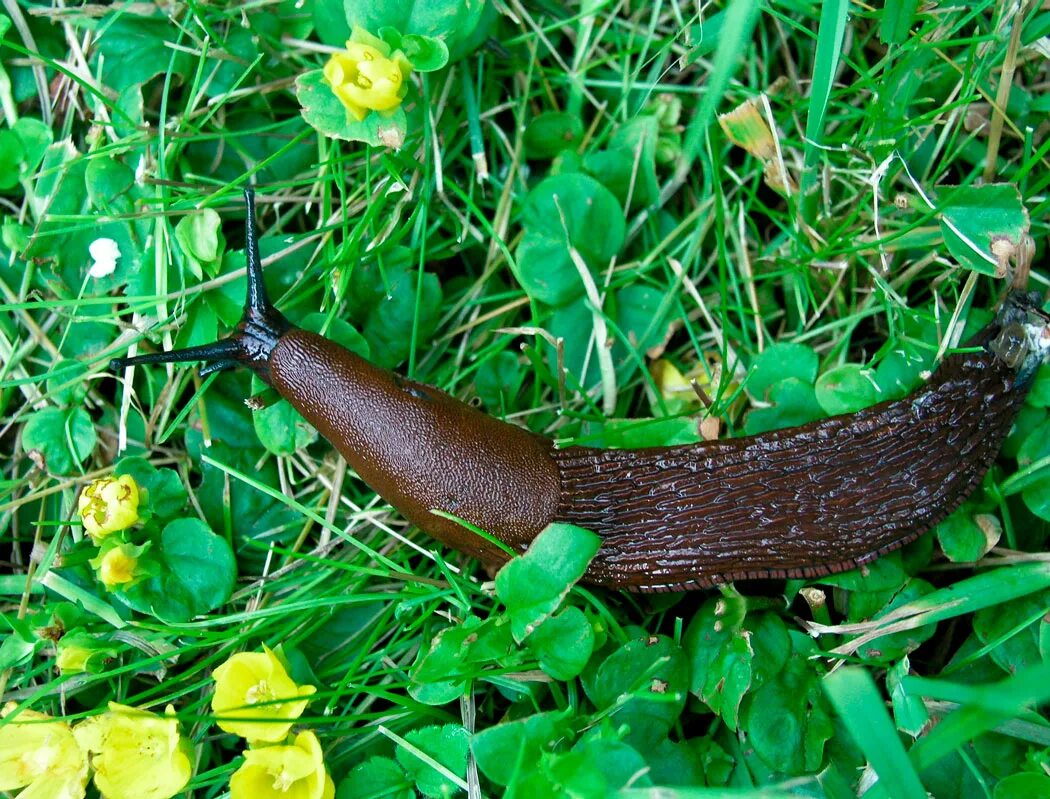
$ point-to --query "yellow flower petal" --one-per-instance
(255, 698)
(367, 76)
(41, 753)
(136, 754)
(294, 771)
(109, 505)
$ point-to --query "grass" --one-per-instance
(921, 672)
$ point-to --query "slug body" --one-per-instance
(800, 502)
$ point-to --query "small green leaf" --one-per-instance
(388, 303)
(376, 778)
(424, 53)
(64, 438)
(778, 362)
(462, 25)
(562, 213)
(514, 747)
(627, 167)
(163, 495)
(65, 386)
(720, 656)
(966, 536)
(200, 236)
(533, 585)
(282, 429)
(197, 574)
(1022, 786)
(447, 745)
(1036, 447)
(1013, 629)
(323, 111)
(108, 182)
(551, 132)
(1039, 393)
(901, 371)
(563, 643)
(12, 158)
(909, 711)
(793, 402)
(644, 684)
(130, 49)
(498, 382)
(785, 722)
(983, 225)
(35, 137)
(846, 389)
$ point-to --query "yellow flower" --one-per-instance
(136, 754)
(118, 566)
(109, 505)
(295, 771)
(255, 698)
(368, 76)
(73, 659)
(42, 756)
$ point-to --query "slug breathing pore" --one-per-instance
(798, 502)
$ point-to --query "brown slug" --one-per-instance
(799, 502)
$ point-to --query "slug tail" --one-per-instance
(256, 334)
(811, 500)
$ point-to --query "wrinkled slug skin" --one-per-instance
(801, 502)
(421, 449)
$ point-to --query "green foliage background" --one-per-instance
(564, 210)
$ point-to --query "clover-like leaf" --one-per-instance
(533, 585)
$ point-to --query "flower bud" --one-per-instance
(118, 566)
(109, 505)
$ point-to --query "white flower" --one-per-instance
(104, 253)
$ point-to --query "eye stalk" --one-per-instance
(256, 334)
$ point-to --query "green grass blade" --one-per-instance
(854, 695)
(829, 51)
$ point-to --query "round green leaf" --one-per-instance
(460, 24)
(793, 402)
(282, 429)
(498, 381)
(377, 776)
(322, 111)
(646, 681)
(778, 362)
(447, 745)
(500, 749)
(197, 574)
(1022, 786)
(164, 494)
(563, 643)
(65, 386)
(965, 537)
(200, 234)
(846, 389)
(533, 585)
(62, 438)
(550, 133)
(566, 212)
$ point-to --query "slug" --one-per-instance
(800, 502)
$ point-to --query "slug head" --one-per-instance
(252, 340)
